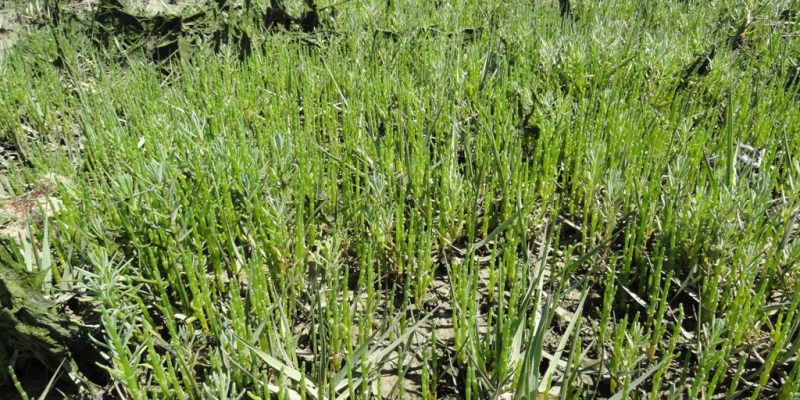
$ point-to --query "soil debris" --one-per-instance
(17, 212)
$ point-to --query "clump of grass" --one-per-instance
(408, 208)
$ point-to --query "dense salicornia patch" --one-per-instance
(480, 200)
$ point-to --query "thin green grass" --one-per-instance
(542, 209)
